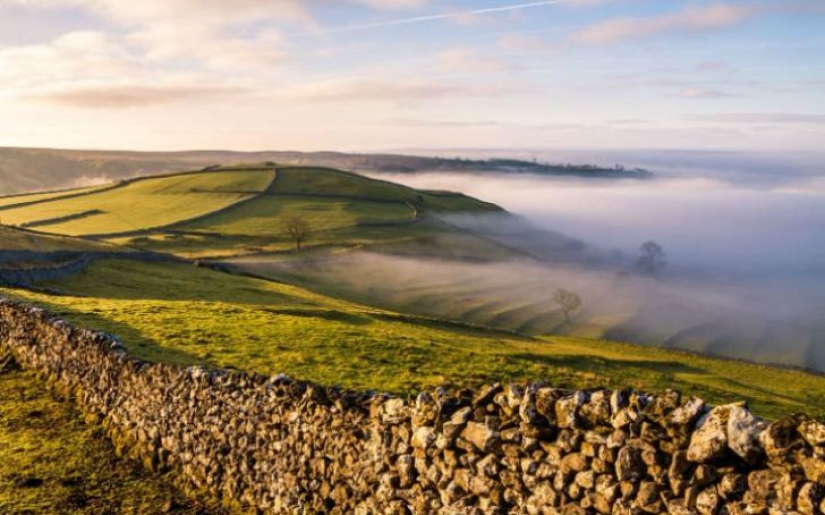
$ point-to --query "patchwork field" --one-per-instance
(143, 204)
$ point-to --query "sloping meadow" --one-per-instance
(279, 445)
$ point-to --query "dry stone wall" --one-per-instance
(274, 445)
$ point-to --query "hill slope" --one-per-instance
(183, 314)
(180, 313)
(224, 212)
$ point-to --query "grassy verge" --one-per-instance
(54, 464)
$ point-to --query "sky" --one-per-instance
(367, 75)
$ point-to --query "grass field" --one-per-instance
(264, 216)
(7, 202)
(192, 315)
(142, 204)
(14, 240)
(55, 464)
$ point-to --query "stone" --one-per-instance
(761, 483)
(586, 479)
(481, 436)
(708, 501)
(406, 470)
(709, 441)
(732, 486)
(808, 499)
(648, 494)
(780, 438)
(629, 465)
(461, 416)
(274, 444)
(424, 438)
(567, 408)
(573, 463)
(814, 469)
(680, 466)
(744, 430)
(686, 414)
(813, 432)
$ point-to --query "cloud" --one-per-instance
(127, 96)
(384, 90)
(391, 4)
(461, 16)
(212, 33)
(76, 55)
(704, 93)
(691, 19)
(764, 118)
(468, 60)
(714, 67)
(184, 11)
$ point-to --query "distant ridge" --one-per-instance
(25, 170)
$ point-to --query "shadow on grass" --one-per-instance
(135, 342)
(599, 364)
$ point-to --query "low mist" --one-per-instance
(744, 237)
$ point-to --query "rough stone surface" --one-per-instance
(272, 445)
(743, 433)
(710, 440)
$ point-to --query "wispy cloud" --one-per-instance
(763, 118)
(454, 15)
(468, 60)
(388, 90)
(704, 93)
(391, 4)
(691, 19)
(123, 97)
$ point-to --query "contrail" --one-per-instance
(435, 17)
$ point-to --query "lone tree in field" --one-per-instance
(297, 230)
(652, 259)
(567, 301)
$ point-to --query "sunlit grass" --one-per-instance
(183, 314)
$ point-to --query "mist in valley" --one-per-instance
(745, 252)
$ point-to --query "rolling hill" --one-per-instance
(420, 331)
(184, 314)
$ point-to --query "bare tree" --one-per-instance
(297, 229)
(652, 259)
(568, 301)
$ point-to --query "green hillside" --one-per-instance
(12, 239)
(235, 211)
(184, 314)
(141, 205)
(187, 314)
(519, 297)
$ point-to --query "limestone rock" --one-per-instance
(810, 495)
(481, 435)
(567, 409)
(709, 441)
(708, 501)
(629, 464)
(744, 430)
(813, 432)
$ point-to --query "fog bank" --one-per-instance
(744, 236)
